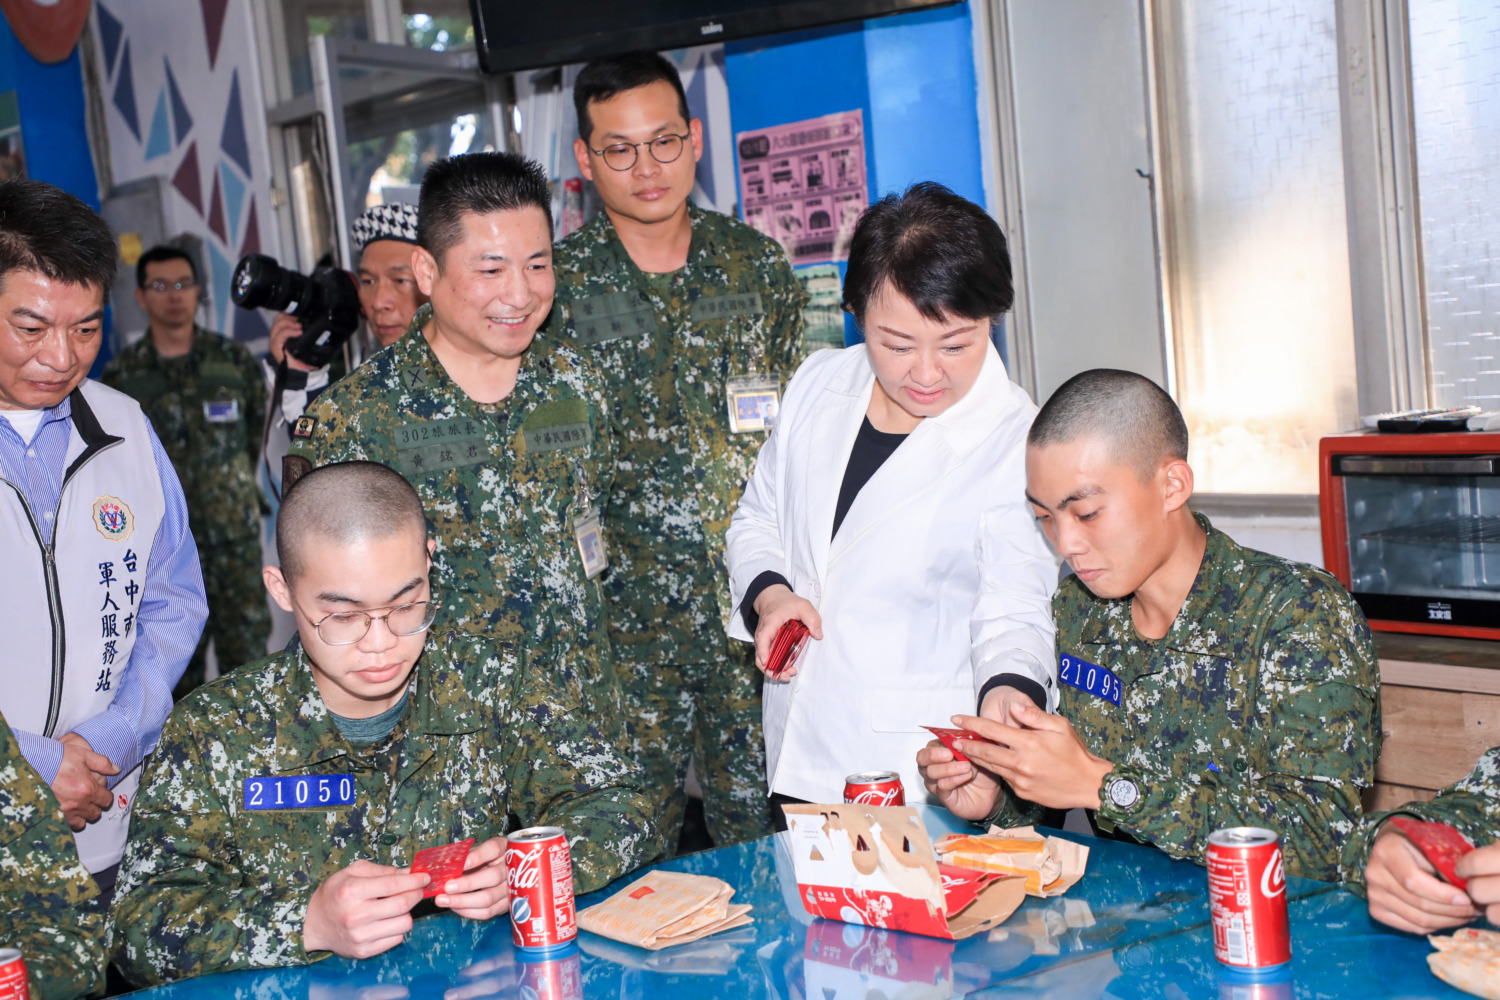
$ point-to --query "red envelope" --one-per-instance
(442, 863)
(948, 735)
(786, 648)
(1442, 844)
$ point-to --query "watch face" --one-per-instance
(1123, 792)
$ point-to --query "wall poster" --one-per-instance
(804, 184)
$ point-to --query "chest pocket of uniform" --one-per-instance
(730, 318)
(424, 447)
(610, 316)
(556, 437)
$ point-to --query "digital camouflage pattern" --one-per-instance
(488, 746)
(1269, 674)
(43, 886)
(1470, 805)
(209, 409)
(501, 484)
(666, 345)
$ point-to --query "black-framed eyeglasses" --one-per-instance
(172, 286)
(344, 628)
(622, 155)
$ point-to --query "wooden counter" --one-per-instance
(1440, 710)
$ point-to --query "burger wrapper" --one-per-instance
(1469, 960)
(664, 909)
(1050, 865)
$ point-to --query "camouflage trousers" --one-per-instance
(239, 619)
(704, 711)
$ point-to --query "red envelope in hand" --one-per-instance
(1442, 844)
(442, 863)
(948, 735)
(786, 648)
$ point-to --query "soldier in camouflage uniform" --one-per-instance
(1204, 684)
(675, 306)
(42, 885)
(284, 800)
(509, 479)
(203, 395)
(1404, 888)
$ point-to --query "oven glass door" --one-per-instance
(1424, 537)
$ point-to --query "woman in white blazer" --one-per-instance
(887, 512)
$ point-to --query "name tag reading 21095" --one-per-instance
(1089, 677)
(302, 791)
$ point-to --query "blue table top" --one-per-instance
(1136, 926)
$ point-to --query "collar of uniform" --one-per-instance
(965, 424)
(413, 349)
(447, 707)
(1110, 622)
(306, 735)
(699, 256)
(147, 346)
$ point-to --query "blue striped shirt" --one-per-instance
(173, 605)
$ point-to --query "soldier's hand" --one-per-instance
(482, 891)
(967, 791)
(1481, 867)
(80, 783)
(1405, 891)
(776, 606)
(362, 910)
(284, 328)
(1039, 756)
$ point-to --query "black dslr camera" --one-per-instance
(325, 302)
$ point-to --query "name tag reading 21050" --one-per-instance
(1089, 677)
(303, 791)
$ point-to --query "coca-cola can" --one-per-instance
(1247, 899)
(539, 871)
(13, 982)
(1277, 984)
(556, 976)
(874, 788)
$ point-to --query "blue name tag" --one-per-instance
(1089, 677)
(304, 791)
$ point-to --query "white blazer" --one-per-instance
(939, 578)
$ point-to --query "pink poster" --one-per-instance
(804, 184)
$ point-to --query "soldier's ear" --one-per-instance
(276, 584)
(431, 551)
(1177, 481)
(581, 151)
(424, 267)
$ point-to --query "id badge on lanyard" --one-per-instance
(587, 531)
(753, 402)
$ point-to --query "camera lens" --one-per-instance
(261, 283)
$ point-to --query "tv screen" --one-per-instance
(524, 34)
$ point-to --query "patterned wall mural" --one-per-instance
(183, 101)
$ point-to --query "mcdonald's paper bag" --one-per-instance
(662, 909)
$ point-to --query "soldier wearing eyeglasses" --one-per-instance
(695, 320)
(285, 803)
(204, 395)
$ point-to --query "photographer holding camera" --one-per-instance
(202, 392)
(384, 237)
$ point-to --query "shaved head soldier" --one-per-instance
(1205, 685)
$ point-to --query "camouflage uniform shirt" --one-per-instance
(215, 878)
(501, 483)
(1470, 805)
(1259, 708)
(666, 344)
(42, 884)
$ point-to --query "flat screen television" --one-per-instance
(527, 34)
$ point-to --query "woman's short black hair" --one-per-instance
(941, 251)
(604, 78)
(480, 183)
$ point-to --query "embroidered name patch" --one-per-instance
(562, 423)
(720, 306)
(306, 791)
(426, 446)
(616, 314)
(1089, 678)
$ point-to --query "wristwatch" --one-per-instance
(1121, 792)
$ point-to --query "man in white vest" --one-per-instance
(101, 601)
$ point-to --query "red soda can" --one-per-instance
(539, 871)
(551, 977)
(874, 788)
(13, 981)
(1247, 899)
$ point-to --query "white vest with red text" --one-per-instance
(68, 611)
